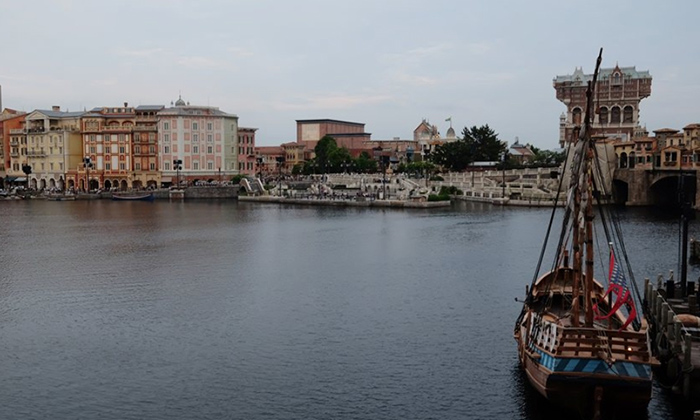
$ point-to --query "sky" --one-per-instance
(386, 63)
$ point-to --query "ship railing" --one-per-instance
(593, 342)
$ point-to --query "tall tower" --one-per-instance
(618, 92)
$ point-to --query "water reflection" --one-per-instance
(236, 310)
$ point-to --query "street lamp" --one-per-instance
(27, 169)
(177, 165)
(426, 159)
(260, 161)
(280, 162)
(503, 172)
(87, 164)
(378, 155)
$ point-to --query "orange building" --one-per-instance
(13, 145)
(107, 141)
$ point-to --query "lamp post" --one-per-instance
(382, 160)
(87, 164)
(280, 162)
(177, 165)
(27, 169)
(259, 160)
(503, 172)
(426, 159)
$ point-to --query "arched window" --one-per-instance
(631, 160)
(603, 115)
(627, 114)
(576, 113)
(623, 160)
(615, 115)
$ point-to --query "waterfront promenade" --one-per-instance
(345, 202)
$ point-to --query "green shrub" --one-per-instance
(438, 197)
(236, 179)
(451, 190)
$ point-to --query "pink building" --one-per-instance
(203, 138)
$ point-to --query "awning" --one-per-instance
(166, 179)
(10, 178)
(21, 179)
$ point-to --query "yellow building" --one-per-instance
(53, 146)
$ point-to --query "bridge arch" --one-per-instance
(620, 191)
(664, 191)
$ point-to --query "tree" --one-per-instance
(454, 156)
(364, 163)
(323, 150)
(477, 144)
(484, 143)
(337, 157)
(546, 157)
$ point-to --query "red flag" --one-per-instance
(618, 286)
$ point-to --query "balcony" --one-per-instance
(114, 129)
(145, 128)
(14, 143)
(33, 153)
(14, 154)
(17, 131)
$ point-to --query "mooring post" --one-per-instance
(692, 303)
(677, 338)
(647, 295)
(670, 288)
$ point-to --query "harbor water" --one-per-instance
(228, 310)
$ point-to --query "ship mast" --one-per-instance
(588, 177)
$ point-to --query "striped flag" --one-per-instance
(448, 119)
(618, 287)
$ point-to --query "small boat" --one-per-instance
(133, 196)
(59, 197)
(581, 344)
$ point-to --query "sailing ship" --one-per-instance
(580, 343)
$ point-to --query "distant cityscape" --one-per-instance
(133, 147)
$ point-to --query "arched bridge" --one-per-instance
(659, 187)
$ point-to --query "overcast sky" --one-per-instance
(387, 64)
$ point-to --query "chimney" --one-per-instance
(56, 108)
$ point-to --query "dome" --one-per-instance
(451, 133)
(180, 102)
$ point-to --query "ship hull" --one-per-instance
(573, 382)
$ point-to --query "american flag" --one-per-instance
(618, 286)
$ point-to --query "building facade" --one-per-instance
(145, 170)
(107, 139)
(350, 135)
(12, 140)
(53, 145)
(246, 150)
(204, 138)
(618, 93)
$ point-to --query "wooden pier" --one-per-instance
(674, 318)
